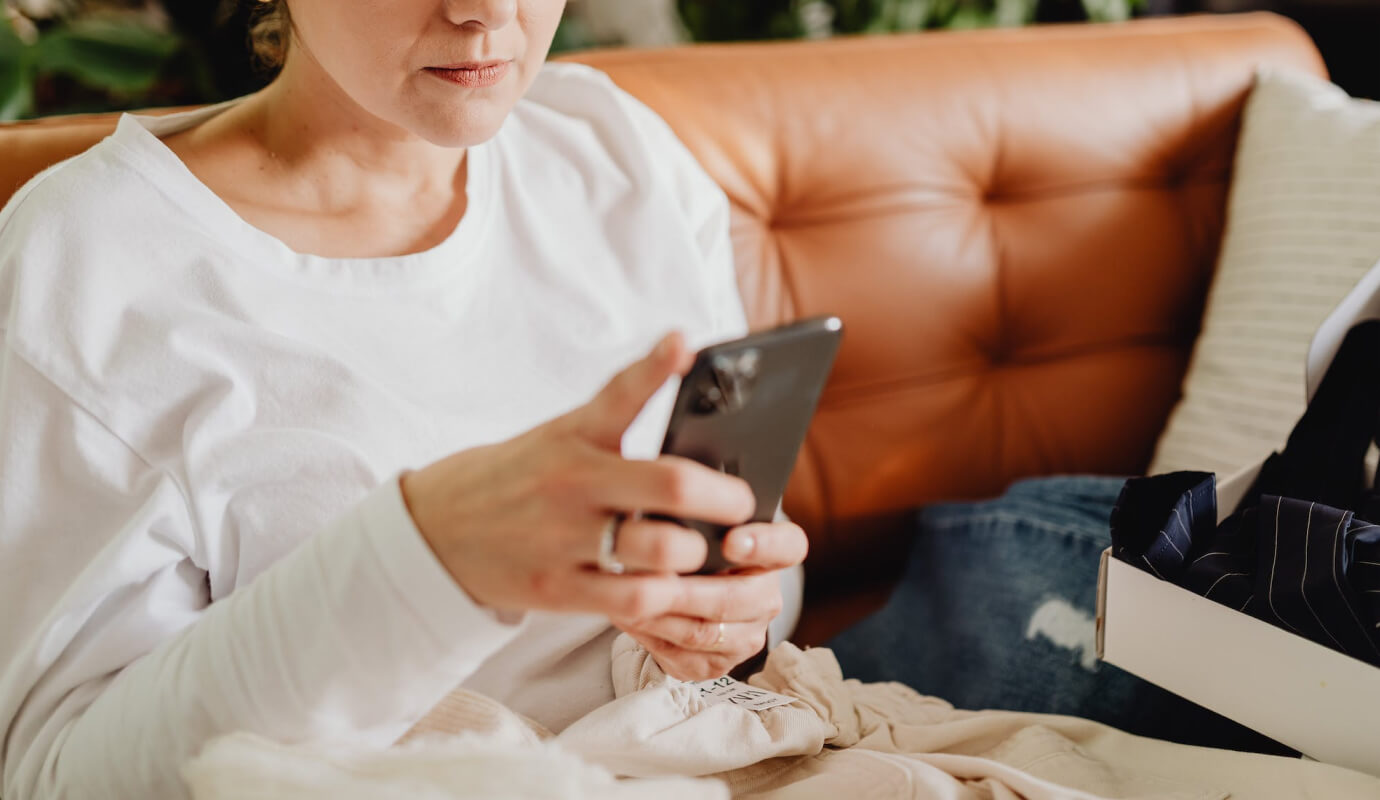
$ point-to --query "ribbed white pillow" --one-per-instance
(1303, 226)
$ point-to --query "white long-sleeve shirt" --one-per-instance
(200, 435)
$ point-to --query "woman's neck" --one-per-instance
(303, 162)
(308, 124)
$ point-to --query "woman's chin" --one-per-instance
(459, 128)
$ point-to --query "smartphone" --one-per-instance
(744, 408)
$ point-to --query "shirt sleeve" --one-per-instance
(116, 665)
(709, 213)
(717, 246)
(647, 149)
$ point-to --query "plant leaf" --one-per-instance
(111, 54)
(967, 17)
(1011, 13)
(1108, 10)
(16, 84)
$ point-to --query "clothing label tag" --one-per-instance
(727, 689)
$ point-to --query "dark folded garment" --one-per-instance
(1302, 566)
(1299, 551)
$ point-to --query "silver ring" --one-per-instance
(608, 540)
(722, 634)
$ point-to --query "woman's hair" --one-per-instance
(270, 31)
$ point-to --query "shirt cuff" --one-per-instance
(423, 582)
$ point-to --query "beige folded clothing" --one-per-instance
(849, 739)
(840, 738)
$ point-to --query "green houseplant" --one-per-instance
(720, 20)
(82, 63)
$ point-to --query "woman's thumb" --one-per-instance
(604, 419)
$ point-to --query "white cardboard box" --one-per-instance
(1321, 702)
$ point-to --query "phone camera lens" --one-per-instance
(709, 400)
(734, 375)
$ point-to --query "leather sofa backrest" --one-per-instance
(1018, 228)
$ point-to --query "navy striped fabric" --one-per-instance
(1300, 565)
(1300, 551)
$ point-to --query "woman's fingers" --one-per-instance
(738, 597)
(703, 635)
(636, 598)
(676, 487)
(693, 665)
(654, 546)
(768, 545)
(517, 523)
(615, 596)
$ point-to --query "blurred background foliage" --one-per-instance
(69, 56)
(66, 56)
(737, 20)
(721, 20)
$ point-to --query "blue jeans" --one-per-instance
(996, 610)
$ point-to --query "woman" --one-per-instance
(296, 405)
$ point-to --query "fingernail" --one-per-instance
(663, 347)
(741, 548)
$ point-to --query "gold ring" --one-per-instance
(720, 642)
(608, 540)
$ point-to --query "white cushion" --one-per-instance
(1303, 226)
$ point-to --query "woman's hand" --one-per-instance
(720, 621)
(518, 524)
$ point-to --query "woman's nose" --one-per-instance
(486, 14)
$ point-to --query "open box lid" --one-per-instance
(1360, 304)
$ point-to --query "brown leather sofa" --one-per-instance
(1018, 228)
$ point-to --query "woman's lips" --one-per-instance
(473, 76)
